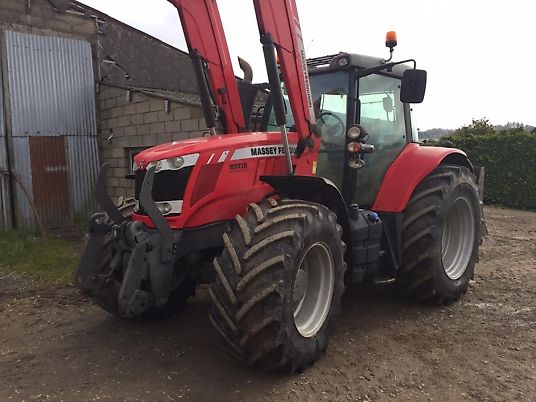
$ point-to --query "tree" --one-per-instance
(477, 127)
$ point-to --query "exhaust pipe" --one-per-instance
(246, 68)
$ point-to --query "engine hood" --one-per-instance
(227, 142)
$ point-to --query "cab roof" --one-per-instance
(360, 61)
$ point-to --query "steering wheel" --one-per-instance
(332, 134)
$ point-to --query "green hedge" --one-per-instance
(509, 158)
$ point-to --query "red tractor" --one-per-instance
(332, 190)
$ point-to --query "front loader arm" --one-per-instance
(279, 18)
(205, 37)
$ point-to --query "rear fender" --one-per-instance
(319, 190)
(413, 164)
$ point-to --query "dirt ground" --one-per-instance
(56, 345)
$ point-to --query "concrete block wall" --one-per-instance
(129, 126)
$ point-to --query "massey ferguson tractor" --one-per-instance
(330, 189)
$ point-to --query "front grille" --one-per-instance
(169, 185)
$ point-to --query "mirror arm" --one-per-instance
(387, 66)
(408, 61)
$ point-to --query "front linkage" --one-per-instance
(140, 271)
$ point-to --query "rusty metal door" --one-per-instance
(50, 180)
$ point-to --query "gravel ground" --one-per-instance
(56, 345)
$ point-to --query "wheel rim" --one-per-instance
(458, 237)
(313, 289)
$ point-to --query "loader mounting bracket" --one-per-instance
(132, 300)
(167, 249)
(104, 200)
(89, 269)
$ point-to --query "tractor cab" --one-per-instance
(345, 93)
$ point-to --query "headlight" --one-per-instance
(343, 62)
(354, 132)
(178, 162)
(168, 164)
(164, 208)
(356, 163)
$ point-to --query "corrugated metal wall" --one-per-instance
(51, 89)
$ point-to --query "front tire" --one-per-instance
(440, 236)
(278, 284)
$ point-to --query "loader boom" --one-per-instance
(205, 37)
(279, 19)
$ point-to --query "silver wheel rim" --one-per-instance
(458, 238)
(313, 289)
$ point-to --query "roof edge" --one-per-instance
(105, 16)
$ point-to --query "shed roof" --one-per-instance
(130, 57)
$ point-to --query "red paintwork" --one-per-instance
(203, 31)
(235, 188)
(280, 19)
(412, 165)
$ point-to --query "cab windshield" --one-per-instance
(330, 95)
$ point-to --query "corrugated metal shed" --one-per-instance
(51, 89)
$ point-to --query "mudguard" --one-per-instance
(315, 189)
(413, 164)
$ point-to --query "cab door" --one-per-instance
(382, 114)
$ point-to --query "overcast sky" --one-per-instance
(471, 48)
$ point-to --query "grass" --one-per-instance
(51, 260)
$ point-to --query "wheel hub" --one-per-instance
(313, 289)
(457, 239)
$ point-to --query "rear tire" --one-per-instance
(440, 236)
(177, 298)
(278, 284)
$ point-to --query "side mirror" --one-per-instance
(388, 104)
(413, 86)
